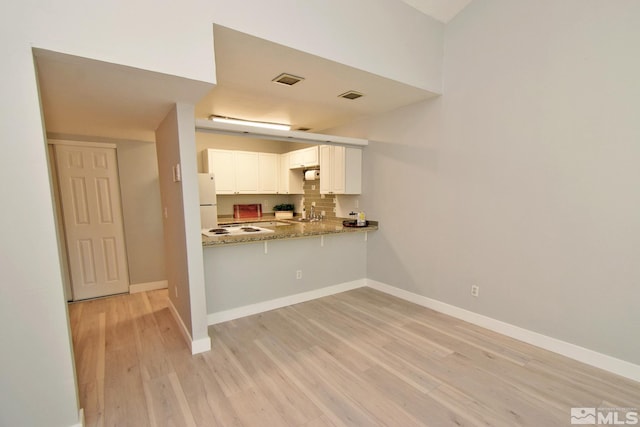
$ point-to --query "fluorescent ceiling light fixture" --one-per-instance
(233, 121)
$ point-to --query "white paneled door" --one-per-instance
(90, 195)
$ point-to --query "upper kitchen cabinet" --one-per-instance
(304, 158)
(237, 172)
(340, 170)
(290, 180)
(268, 169)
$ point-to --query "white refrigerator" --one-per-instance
(208, 201)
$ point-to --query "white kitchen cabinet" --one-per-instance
(222, 163)
(247, 172)
(237, 172)
(304, 158)
(269, 170)
(290, 180)
(340, 170)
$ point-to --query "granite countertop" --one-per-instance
(293, 229)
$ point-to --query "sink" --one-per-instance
(268, 223)
(307, 220)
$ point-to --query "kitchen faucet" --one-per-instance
(313, 212)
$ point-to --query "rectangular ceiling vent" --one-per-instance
(287, 79)
(352, 94)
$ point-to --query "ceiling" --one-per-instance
(246, 66)
(86, 97)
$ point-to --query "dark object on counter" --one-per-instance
(283, 207)
(219, 231)
(353, 223)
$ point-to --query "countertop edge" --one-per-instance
(212, 242)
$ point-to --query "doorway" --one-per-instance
(90, 221)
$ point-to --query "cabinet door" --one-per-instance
(283, 177)
(305, 158)
(268, 169)
(326, 172)
(338, 169)
(310, 156)
(221, 163)
(352, 170)
(247, 175)
(296, 159)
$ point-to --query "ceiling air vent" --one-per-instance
(287, 79)
(352, 94)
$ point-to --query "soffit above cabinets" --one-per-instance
(204, 125)
(246, 67)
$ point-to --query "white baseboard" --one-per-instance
(147, 286)
(581, 354)
(197, 346)
(183, 328)
(80, 422)
(261, 307)
(201, 346)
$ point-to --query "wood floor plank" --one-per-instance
(340, 409)
(380, 408)
(124, 391)
(356, 358)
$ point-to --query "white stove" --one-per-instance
(235, 230)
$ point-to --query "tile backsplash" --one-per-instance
(324, 202)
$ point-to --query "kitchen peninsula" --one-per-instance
(251, 273)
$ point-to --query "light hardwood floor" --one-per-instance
(357, 358)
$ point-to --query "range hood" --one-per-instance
(204, 125)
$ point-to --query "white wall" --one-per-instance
(206, 140)
(523, 177)
(36, 359)
(172, 38)
(140, 189)
(241, 275)
(175, 251)
(182, 241)
(384, 37)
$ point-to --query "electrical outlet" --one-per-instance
(475, 290)
(313, 204)
(357, 203)
(298, 274)
(313, 187)
(323, 213)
